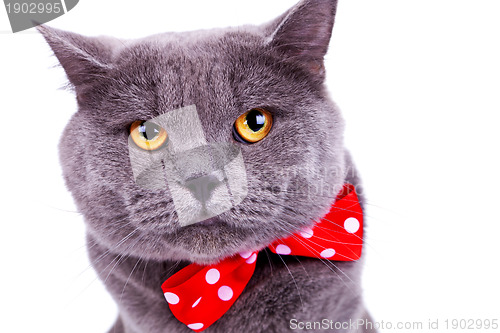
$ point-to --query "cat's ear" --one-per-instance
(303, 33)
(84, 59)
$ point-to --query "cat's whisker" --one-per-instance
(346, 210)
(97, 277)
(365, 201)
(329, 264)
(120, 256)
(173, 268)
(62, 209)
(326, 262)
(341, 226)
(295, 282)
(131, 272)
(107, 252)
(143, 259)
(124, 239)
(329, 240)
(295, 257)
(267, 254)
(143, 279)
(269, 260)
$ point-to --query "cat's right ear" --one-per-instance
(84, 59)
(303, 33)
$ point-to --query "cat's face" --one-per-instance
(291, 176)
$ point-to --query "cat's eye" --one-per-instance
(253, 126)
(147, 135)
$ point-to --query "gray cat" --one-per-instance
(136, 236)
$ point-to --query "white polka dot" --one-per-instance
(195, 326)
(351, 225)
(306, 233)
(225, 293)
(171, 298)
(212, 276)
(196, 303)
(245, 255)
(328, 253)
(283, 249)
(252, 258)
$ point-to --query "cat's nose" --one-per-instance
(202, 187)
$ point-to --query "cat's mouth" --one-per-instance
(214, 239)
(213, 221)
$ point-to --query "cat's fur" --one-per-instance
(134, 240)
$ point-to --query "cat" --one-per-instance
(139, 232)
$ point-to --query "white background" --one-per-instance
(418, 82)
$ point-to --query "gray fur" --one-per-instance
(134, 239)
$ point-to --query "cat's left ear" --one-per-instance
(84, 59)
(303, 33)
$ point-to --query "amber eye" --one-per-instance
(147, 135)
(253, 126)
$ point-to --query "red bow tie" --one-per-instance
(199, 295)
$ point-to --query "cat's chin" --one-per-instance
(212, 240)
(202, 259)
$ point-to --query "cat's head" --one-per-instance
(289, 162)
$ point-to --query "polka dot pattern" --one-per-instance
(200, 295)
(196, 303)
(246, 255)
(212, 276)
(307, 233)
(283, 249)
(225, 293)
(171, 298)
(351, 225)
(195, 326)
(252, 258)
(328, 253)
